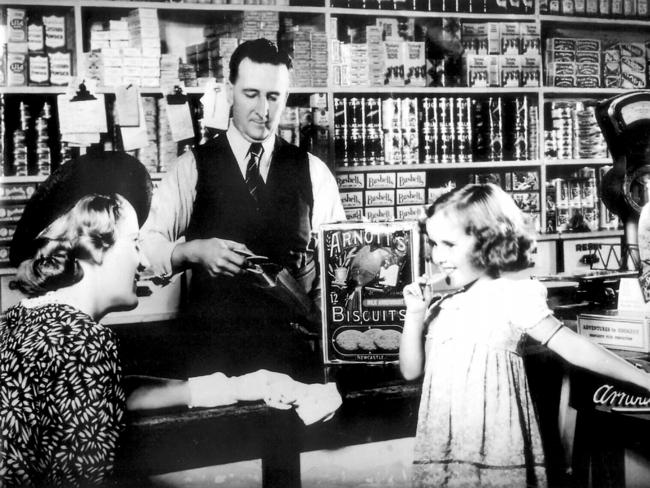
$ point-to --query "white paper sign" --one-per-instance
(87, 116)
(135, 137)
(630, 297)
(216, 109)
(127, 101)
(180, 121)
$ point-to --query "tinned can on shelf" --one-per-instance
(391, 109)
(520, 140)
(561, 193)
(429, 145)
(341, 131)
(495, 132)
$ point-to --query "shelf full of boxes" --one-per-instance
(468, 109)
(401, 98)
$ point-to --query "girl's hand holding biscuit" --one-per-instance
(418, 294)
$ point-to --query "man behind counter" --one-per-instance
(244, 191)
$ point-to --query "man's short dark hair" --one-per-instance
(259, 51)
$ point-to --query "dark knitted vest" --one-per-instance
(279, 227)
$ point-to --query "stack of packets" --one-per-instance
(575, 133)
(126, 51)
(308, 49)
(33, 48)
(382, 196)
(591, 63)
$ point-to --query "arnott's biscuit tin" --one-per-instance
(364, 268)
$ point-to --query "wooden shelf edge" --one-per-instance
(569, 19)
(208, 7)
(434, 89)
(42, 3)
(577, 162)
(40, 179)
(583, 92)
(433, 15)
(439, 166)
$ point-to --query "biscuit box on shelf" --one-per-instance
(364, 268)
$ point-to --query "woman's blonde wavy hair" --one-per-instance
(84, 232)
(503, 241)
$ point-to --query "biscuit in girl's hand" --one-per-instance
(349, 340)
(388, 339)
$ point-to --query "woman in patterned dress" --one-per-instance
(61, 393)
(476, 423)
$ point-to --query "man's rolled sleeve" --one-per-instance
(169, 217)
(327, 200)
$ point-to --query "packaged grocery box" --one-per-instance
(350, 181)
(410, 196)
(410, 212)
(380, 198)
(352, 199)
(375, 181)
(379, 214)
(411, 179)
(393, 63)
(354, 214)
(414, 64)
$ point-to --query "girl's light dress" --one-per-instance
(476, 424)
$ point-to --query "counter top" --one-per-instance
(173, 440)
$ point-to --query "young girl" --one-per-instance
(476, 424)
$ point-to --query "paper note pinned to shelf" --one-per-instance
(81, 122)
(135, 137)
(216, 109)
(127, 101)
(180, 121)
(82, 115)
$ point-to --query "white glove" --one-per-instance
(317, 402)
(211, 390)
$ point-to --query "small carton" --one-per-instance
(411, 179)
(380, 214)
(379, 198)
(350, 181)
(16, 25)
(409, 212)
(393, 63)
(354, 214)
(410, 196)
(352, 199)
(414, 64)
(376, 181)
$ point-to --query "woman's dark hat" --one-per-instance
(102, 173)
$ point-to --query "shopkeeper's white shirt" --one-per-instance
(173, 200)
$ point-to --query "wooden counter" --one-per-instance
(161, 442)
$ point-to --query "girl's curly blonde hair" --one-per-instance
(503, 241)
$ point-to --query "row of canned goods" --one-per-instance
(569, 198)
(572, 192)
(407, 130)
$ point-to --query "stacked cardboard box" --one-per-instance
(501, 54)
(385, 196)
(126, 51)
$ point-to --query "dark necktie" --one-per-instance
(254, 180)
